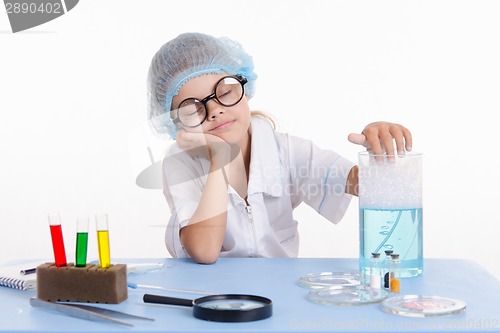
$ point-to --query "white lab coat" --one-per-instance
(284, 171)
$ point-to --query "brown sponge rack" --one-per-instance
(89, 284)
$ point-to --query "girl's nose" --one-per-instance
(214, 110)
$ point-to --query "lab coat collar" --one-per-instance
(266, 171)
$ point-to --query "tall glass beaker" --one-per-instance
(390, 209)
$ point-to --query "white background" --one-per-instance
(73, 98)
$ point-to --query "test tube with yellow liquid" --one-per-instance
(103, 240)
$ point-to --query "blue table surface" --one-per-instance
(276, 279)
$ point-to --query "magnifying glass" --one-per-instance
(221, 308)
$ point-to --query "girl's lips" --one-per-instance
(223, 126)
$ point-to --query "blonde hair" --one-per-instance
(272, 120)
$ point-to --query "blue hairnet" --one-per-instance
(187, 56)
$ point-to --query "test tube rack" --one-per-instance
(89, 284)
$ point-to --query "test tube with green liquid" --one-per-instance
(103, 240)
(82, 238)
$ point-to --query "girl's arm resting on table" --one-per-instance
(202, 238)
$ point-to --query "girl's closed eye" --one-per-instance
(199, 110)
(191, 111)
(224, 93)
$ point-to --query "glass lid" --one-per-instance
(356, 295)
(329, 279)
(423, 306)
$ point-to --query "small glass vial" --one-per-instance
(395, 274)
(375, 271)
(386, 267)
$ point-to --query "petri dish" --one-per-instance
(357, 295)
(423, 306)
(329, 279)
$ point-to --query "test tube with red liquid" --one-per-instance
(57, 239)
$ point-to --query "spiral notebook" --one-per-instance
(10, 276)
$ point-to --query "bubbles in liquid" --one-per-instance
(388, 185)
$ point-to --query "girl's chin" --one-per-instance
(231, 138)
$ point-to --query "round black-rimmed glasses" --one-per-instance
(192, 112)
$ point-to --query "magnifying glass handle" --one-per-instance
(148, 298)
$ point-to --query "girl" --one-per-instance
(232, 181)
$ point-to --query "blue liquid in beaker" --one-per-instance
(399, 230)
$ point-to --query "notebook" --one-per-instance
(10, 276)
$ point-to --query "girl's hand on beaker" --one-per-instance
(379, 138)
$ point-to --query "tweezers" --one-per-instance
(86, 311)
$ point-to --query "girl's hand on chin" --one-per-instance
(201, 144)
